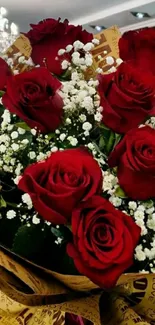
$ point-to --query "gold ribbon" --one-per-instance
(27, 298)
(108, 46)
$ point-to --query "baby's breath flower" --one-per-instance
(69, 48)
(116, 201)
(2, 148)
(132, 205)
(17, 179)
(139, 214)
(99, 70)
(25, 141)
(112, 69)
(11, 214)
(119, 61)
(6, 117)
(139, 253)
(68, 121)
(61, 52)
(18, 169)
(88, 47)
(15, 146)
(65, 64)
(89, 59)
(21, 131)
(95, 41)
(32, 155)
(78, 45)
(82, 118)
(62, 136)
(35, 220)
(41, 156)
(27, 200)
(73, 141)
(14, 135)
(90, 146)
(87, 126)
(54, 149)
(34, 131)
(21, 59)
(110, 60)
(98, 117)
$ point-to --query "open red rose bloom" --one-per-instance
(49, 36)
(104, 241)
(138, 46)
(77, 155)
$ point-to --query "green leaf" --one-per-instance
(110, 143)
(107, 139)
(56, 232)
(29, 241)
(2, 202)
(8, 229)
(11, 204)
(62, 232)
(101, 143)
(102, 126)
(51, 136)
(1, 110)
(68, 266)
(118, 137)
(148, 204)
(120, 193)
(23, 125)
(2, 93)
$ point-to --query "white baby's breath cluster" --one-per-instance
(81, 100)
(27, 200)
(82, 110)
(110, 183)
(18, 59)
(81, 57)
(17, 143)
(80, 96)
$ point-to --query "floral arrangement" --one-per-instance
(77, 157)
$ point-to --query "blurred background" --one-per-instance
(94, 15)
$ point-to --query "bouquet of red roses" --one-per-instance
(77, 160)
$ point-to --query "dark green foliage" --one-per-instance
(8, 229)
(29, 241)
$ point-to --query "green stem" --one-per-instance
(14, 205)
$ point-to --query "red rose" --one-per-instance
(139, 46)
(135, 158)
(49, 36)
(127, 97)
(5, 71)
(104, 240)
(33, 97)
(58, 184)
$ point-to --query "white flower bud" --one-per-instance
(61, 52)
(87, 126)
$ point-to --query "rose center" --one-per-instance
(101, 234)
(30, 92)
(148, 152)
(70, 179)
(49, 91)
